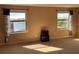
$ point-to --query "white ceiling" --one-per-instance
(52, 5)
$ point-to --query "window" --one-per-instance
(17, 21)
(63, 20)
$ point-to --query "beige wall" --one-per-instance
(39, 17)
(77, 23)
(2, 35)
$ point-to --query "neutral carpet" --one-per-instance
(56, 46)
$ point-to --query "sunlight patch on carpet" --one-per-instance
(42, 48)
(76, 39)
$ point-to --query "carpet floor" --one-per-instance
(56, 46)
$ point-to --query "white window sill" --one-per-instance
(61, 28)
(19, 32)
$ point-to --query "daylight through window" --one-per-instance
(63, 20)
(17, 21)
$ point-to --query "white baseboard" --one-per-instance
(60, 37)
(8, 43)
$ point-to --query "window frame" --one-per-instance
(25, 21)
(61, 11)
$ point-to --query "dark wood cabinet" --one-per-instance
(44, 36)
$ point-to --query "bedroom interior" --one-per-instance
(39, 29)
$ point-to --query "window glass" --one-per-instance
(17, 21)
(63, 20)
(19, 26)
(17, 16)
